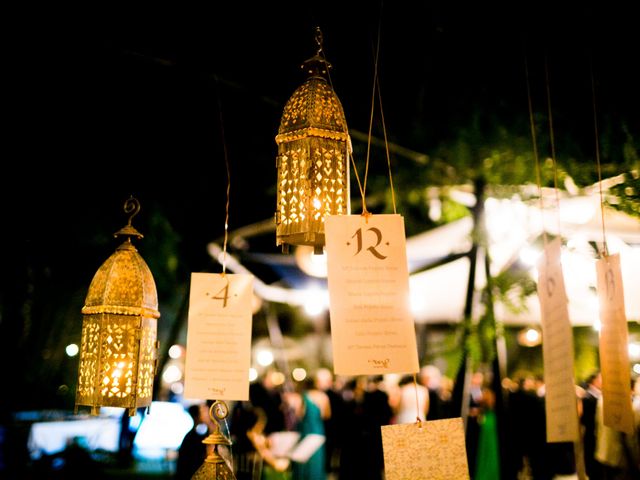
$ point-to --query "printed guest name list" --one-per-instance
(372, 328)
(219, 337)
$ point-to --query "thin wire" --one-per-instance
(386, 146)
(552, 140)
(346, 131)
(415, 384)
(226, 163)
(373, 104)
(535, 146)
(595, 129)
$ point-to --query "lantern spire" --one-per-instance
(132, 208)
(317, 66)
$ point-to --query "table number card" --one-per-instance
(614, 354)
(219, 337)
(372, 329)
(433, 450)
(557, 349)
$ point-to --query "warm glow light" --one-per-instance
(253, 374)
(310, 263)
(634, 351)
(597, 326)
(175, 351)
(172, 374)
(277, 378)
(72, 349)
(529, 337)
(532, 335)
(299, 374)
(636, 368)
(264, 357)
(316, 203)
(316, 302)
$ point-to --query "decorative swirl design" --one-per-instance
(131, 207)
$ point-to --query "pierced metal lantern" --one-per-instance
(313, 159)
(118, 356)
(215, 467)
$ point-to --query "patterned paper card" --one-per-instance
(557, 349)
(372, 329)
(614, 353)
(219, 337)
(433, 450)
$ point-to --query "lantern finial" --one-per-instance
(131, 207)
(317, 66)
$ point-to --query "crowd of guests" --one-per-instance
(349, 412)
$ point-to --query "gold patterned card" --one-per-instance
(372, 328)
(433, 450)
(557, 348)
(219, 337)
(614, 353)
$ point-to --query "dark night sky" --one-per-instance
(114, 100)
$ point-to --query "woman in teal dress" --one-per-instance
(310, 422)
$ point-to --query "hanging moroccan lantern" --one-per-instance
(313, 159)
(118, 355)
(215, 467)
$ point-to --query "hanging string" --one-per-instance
(605, 250)
(226, 163)
(552, 141)
(386, 146)
(415, 384)
(373, 104)
(535, 148)
(321, 54)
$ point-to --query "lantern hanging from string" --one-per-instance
(313, 158)
(215, 466)
(118, 353)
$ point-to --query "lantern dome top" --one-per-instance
(123, 285)
(313, 110)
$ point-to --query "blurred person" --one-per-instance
(309, 421)
(192, 451)
(487, 465)
(333, 426)
(592, 393)
(409, 401)
(618, 452)
(431, 378)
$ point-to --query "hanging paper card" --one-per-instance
(219, 337)
(614, 354)
(433, 450)
(557, 349)
(372, 329)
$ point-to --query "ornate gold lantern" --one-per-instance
(313, 159)
(118, 356)
(215, 467)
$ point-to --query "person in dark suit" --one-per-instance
(592, 387)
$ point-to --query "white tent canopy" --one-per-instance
(438, 294)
